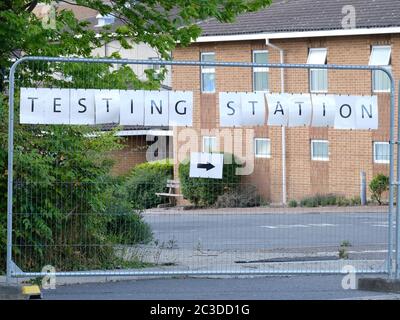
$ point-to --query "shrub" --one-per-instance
(205, 192)
(328, 200)
(355, 201)
(146, 180)
(343, 202)
(293, 203)
(239, 196)
(378, 185)
(309, 202)
(124, 225)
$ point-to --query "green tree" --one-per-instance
(378, 185)
(159, 23)
(62, 173)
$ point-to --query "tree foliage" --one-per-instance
(159, 23)
(378, 185)
(62, 173)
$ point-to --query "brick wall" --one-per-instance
(350, 151)
(134, 152)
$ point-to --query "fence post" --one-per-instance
(363, 189)
(10, 168)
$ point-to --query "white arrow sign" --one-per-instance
(206, 165)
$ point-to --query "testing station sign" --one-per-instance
(175, 108)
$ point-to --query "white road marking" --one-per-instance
(382, 225)
(289, 226)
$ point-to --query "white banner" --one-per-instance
(300, 109)
(252, 109)
(367, 116)
(107, 106)
(181, 108)
(94, 106)
(175, 108)
(345, 116)
(229, 109)
(156, 108)
(31, 106)
(56, 105)
(131, 110)
(323, 110)
(82, 106)
(278, 109)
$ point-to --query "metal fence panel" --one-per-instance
(71, 209)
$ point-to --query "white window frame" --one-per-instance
(214, 138)
(387, 65)
(313, 71)
(264, 156)
(260, 69)
(375, 154)
(319, 158)
(206, 69)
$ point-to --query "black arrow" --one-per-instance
(207, 166)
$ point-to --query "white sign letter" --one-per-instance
(82, 106)
(300, 110)
(345, 117)
(253, 109)
(56, 105)
(156, 108)
(229, 109)
(107, 106)
(367, 113)
(324, 108)
(131, 107)
(278, 110)
(180, 108)
(31, 111)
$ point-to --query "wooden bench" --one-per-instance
(172, 186)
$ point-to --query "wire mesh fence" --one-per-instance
(117, 199)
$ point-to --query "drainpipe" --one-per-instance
(284, 193)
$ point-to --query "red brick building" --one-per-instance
(292, 163)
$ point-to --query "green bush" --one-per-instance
(355, 201)
(309, 202)
(124, 225)
(239, 196)
(205, 192)
(343, 202)
(378, 185)
(329, 200)
(146, 180)
(293, 204)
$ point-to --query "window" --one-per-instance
(104, 20)
(319, 150)
(380, 56)
(209, 144)
(208, 73)
(381, 152)
(318, 77)
(262, 148)
(260, 75)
